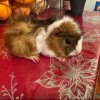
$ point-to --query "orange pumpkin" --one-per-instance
(21, 9)
(5, 10)
(25, 1)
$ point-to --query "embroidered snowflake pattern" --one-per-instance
(92, 19)
(91, 42)
(13, 89)
(74, 78)
(91, 37)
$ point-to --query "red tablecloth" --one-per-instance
(50, 79)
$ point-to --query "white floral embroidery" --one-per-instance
(91, 37)
(92, 19)
(13, 89)
(74, 78)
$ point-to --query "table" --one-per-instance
(50, 79)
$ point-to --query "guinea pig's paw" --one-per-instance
(34, 58)
(62, 59)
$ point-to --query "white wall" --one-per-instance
(89, 5)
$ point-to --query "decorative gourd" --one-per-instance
(21, 9)
(25, 1)
(5, 10)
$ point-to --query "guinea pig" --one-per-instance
(58, 40)
(62, 38)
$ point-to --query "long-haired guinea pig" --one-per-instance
(58, 40)
(63, 38)
(20, 39)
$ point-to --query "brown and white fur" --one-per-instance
(20, 40)
(60, 39)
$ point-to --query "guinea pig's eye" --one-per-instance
(68, 41)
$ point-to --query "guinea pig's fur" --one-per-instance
(19, 39)
(63, 38)
(60, 39)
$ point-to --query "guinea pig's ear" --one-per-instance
(59, 32)
(56, 32)
(62, 26)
